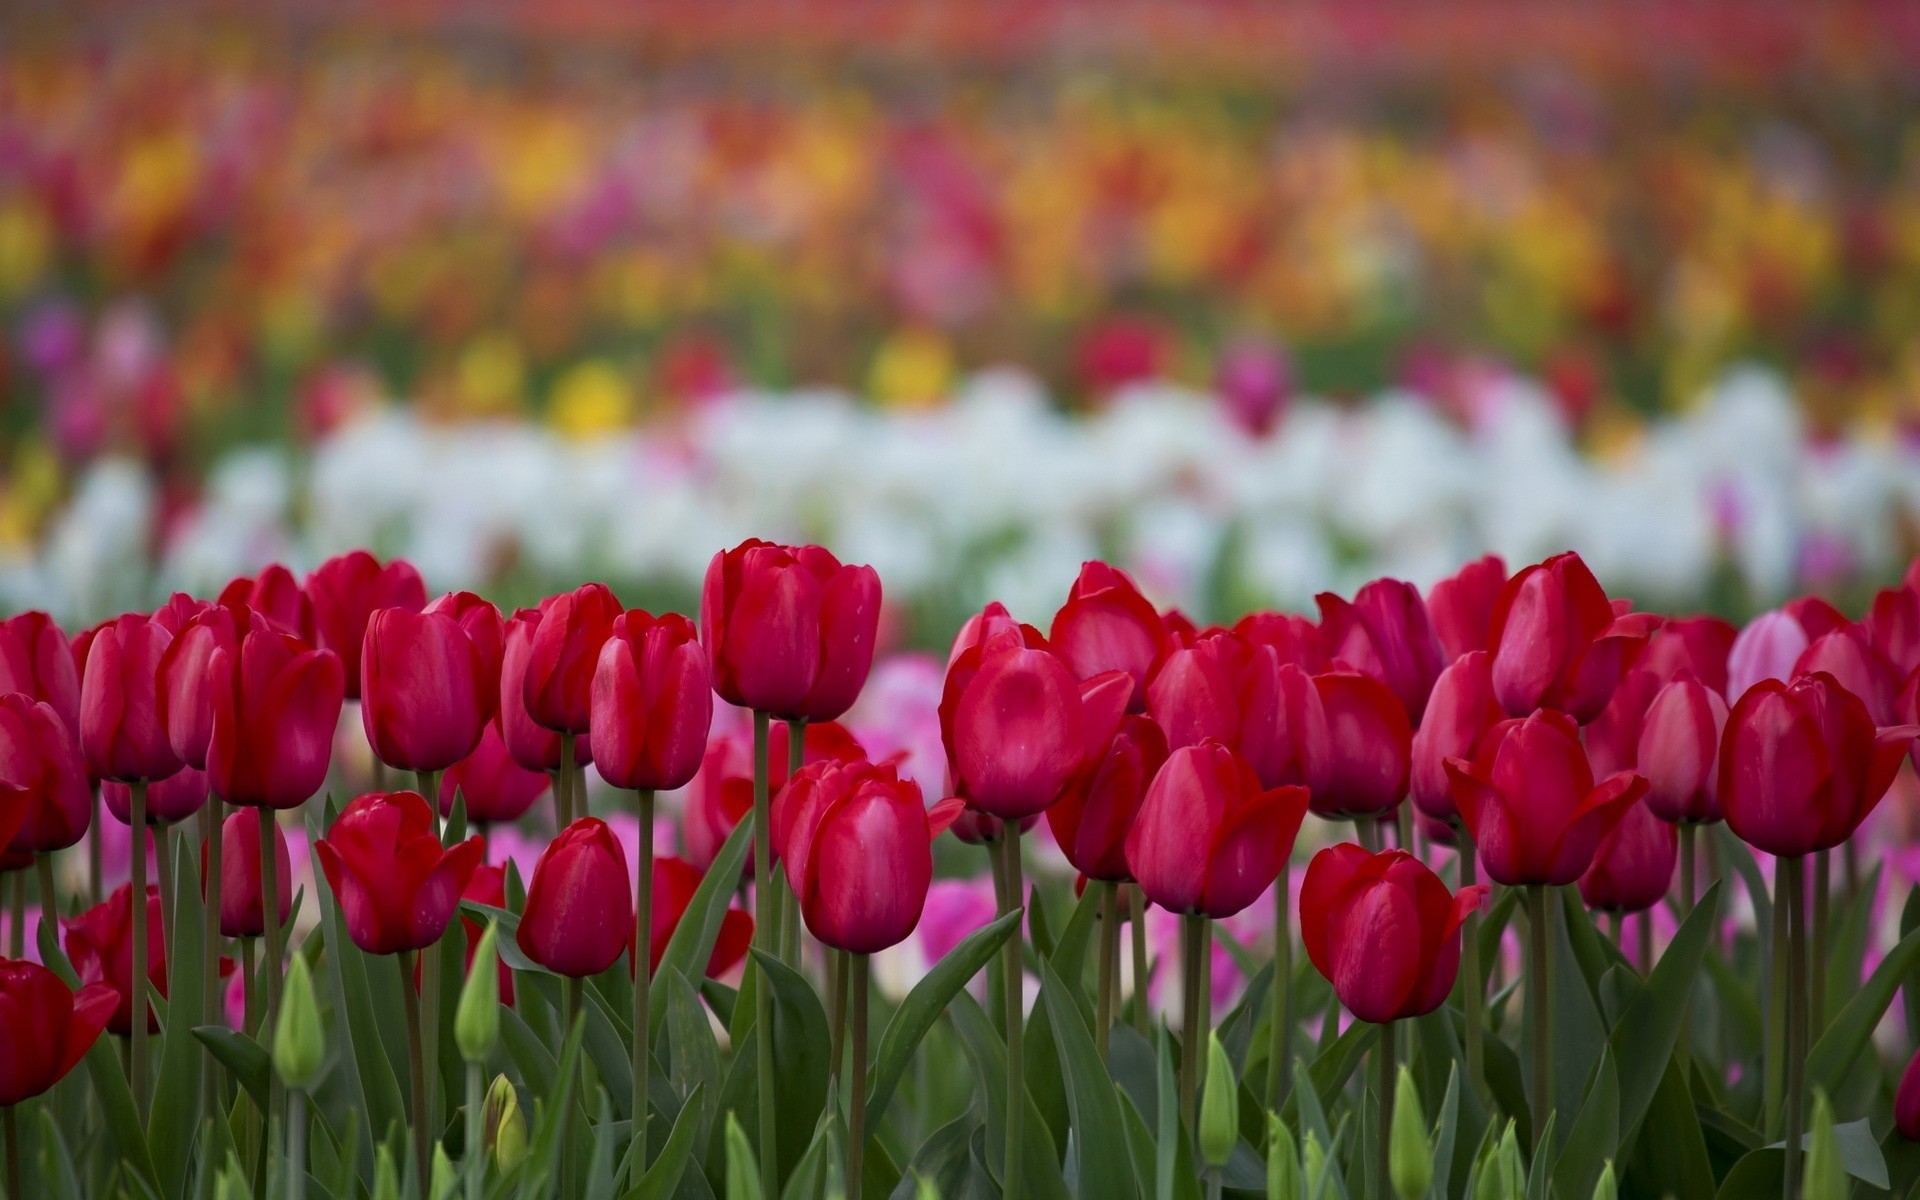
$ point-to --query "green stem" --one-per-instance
(431, 1024)
(1109, 963)
(579, 789)
(12, 1126)
(429, 784)
(764, 905)
(1016, 1018)
(249, 1002)
(296, 1144)
(563, 782)
(1644, 933)
(1776, 1046)
(137, 1059)
(1817, 979)
(1368, 831)
(17, 913)
(1142, 971)
(857, 1089)
(1383, 1129)
(210, 1007)
(1473, 982)
(789, 902)
(642, 984)
(1617, 929)
(163, 868)
(1539, 972)
(1403, 826)
(96, 855)
(1193, 967)
(49, 892)
(1689, 852)
(575, 1001)
(837, 972)
(475, 1166)
(1280, 997)
(996, 969)
(417, 1079)
(1790, 888)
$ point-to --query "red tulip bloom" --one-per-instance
(276, 704)
(495, 787)
(1679, 752)
(277, 596)
(1093, 817)
(186, 682)
(1557, 642)
(1460, 712)
(37, 660)
(674, 881)
(179, 609)
(858, 853)
(1529, 800)
(579, 912)
(169, 800)
(790, 630)
(1383, 930)
(1847, 655)
(1107, 625)
(1802, 764)
(44, 800)
(46, 1028)
(242, 913)
(558, 687)
(349, 588)
(532, 745)
(1893, 625)
(1633, 868)
(1385, 633)
(652, 702)
(1295, 638)
(1461, 606)
(1369, 747)
(722, 790)
(423, 702)
(1613, 737)
(120, 730)
(1699, 646)
(396, 885)
(1208, 838)
(1201, 689)
(100, 945)
(1906, 1101)
(1766, 649)
(485, 629)
(1018, 726)
(1283, 734)
(1816, 616)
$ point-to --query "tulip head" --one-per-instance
(1557, 642)
(1459, 713)
(45, 1027)
(121, 732)
(299, 1038)
(1613, 738)
(1766, 648)
(1698, 646)
(1201, 688)
(37, 660)
(1369, 747)
(186, 679)
(242, 911)
(504, 1124)
(1847, 655)
(276, 595)
(1219, 1125)
(1107, 625)
(1679, 751)
(532, 745)
(476, 1018)
(557, 688)
(1093, 816)
(790, 629)
(1385, 633)
(100, 946)
(169, 800)
(674, 882)
(422, 702)
(722, 790)
(652, 702)
(495, 787)
(44, 800)
(1893, 626)
(1383, 930)
(1409, 1153)
(396, 885)
(579, 911)
(348, 589)
(1633, 867)
(276, 705)
(1460, 606)
(1208, 838)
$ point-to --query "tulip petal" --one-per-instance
(1249, 849)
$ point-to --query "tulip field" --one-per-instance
(1502, 889)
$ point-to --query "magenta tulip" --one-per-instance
(789, 629)
(652, 702)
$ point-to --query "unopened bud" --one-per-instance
(1409, 1153)
(299, 1041)
(476, 1022)
(504, 1125)
(1219, 1106)
(1283, 1161)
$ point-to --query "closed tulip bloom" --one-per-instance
(45, 803)
(100, 946)
(37, 660)
(579, 912)
(1802, 764)
(1107, 625)
(172, 799)
(1816, 616)
(1383, 930)
(558, 686)
(1613, 737)
(1460, 712)
(1766, 648)
(1199, 692)
(1679, 752)
(1294, 638)
(186, 681)
(674, 882)
(1633, 868)
(1557, 642)
(1369, 747)
(1283, 729)
(531, 744)
(1461, 605)
(1847, 655)
(1021, 726)
(348, 589)
(1529, 800)
(1906, 1101)
(1892, 624)
(495, 787)
(790, 630)
(179, 609)
(397, 886)
(722, 790)
(1697, 645)
(1208, 838)
(486, 629)
(1094, 815)
(422, 702)
(276, 595)
(120, 730)
(652, 702)
(46, 1028)
(242, 915)
(276, 704)
(859, 855)
(1385, 633)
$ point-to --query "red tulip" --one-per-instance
(396, 885)
(652, 702)
(722, 790)
(790, 630)
(1906, 1101)
(44, 800)
(1699, 646)
(674, 881)
(558, 687)
(1369, 747)
(1461, 605)
(186, 685)
(485, 629)
(1383, 930)
(1613, 737)
(1385, 633)
(1529, 800)
(1633, 868)
(579, 912)
(1679, 751)
(495, 787)
(1208, 839)
(242, 914)
(858, 854)
(1201, 689)
(37, 660)
(983, 625)
(277, 596)
(1283, 734)
(1802, 764)
(100, 945)
(421, 686)
(178, 611)
(169, 800)
(1557, 642)
(349, 588)
(120, 729)
(46, 1028)
(1766, 649)
(276, 704)
(532, 746)
(1892, 624)
(1107, 625)
(1018, 726)
(1847, 655)
(1296, 639)
(1460, 712)
(1092, 818)
(1816, 616)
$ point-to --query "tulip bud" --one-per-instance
(386, 1177)
(1219, 1106)
(505, 1125)
(441, 1180)
(1513, 1179)
(1409, 1153)
(299, 1040)
(232, 1183)
(1605, 1188)
(1823, 1178)
(1283, 1161)
(924, 1188)
(1313, 1163)
(476, 1022)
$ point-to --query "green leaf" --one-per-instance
(56, 1162)
(1174, 1174)
(743, 1169)
(1446, 1136)
(942, 1159)
(696, 1056)
(692, 942)
(553, 1112)
(1040, 1161)
(175, 1116)
(1595, 1131)
(800, 1050)
(1069, 957)
(809, 1178)
(1578, 1035)
(1670, 1158)
(923, 1006)
(1852, 1027)
(240, 1054)
(662, 1179)
(370, 1063)
(1642, 1043)
(1090, 1093)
